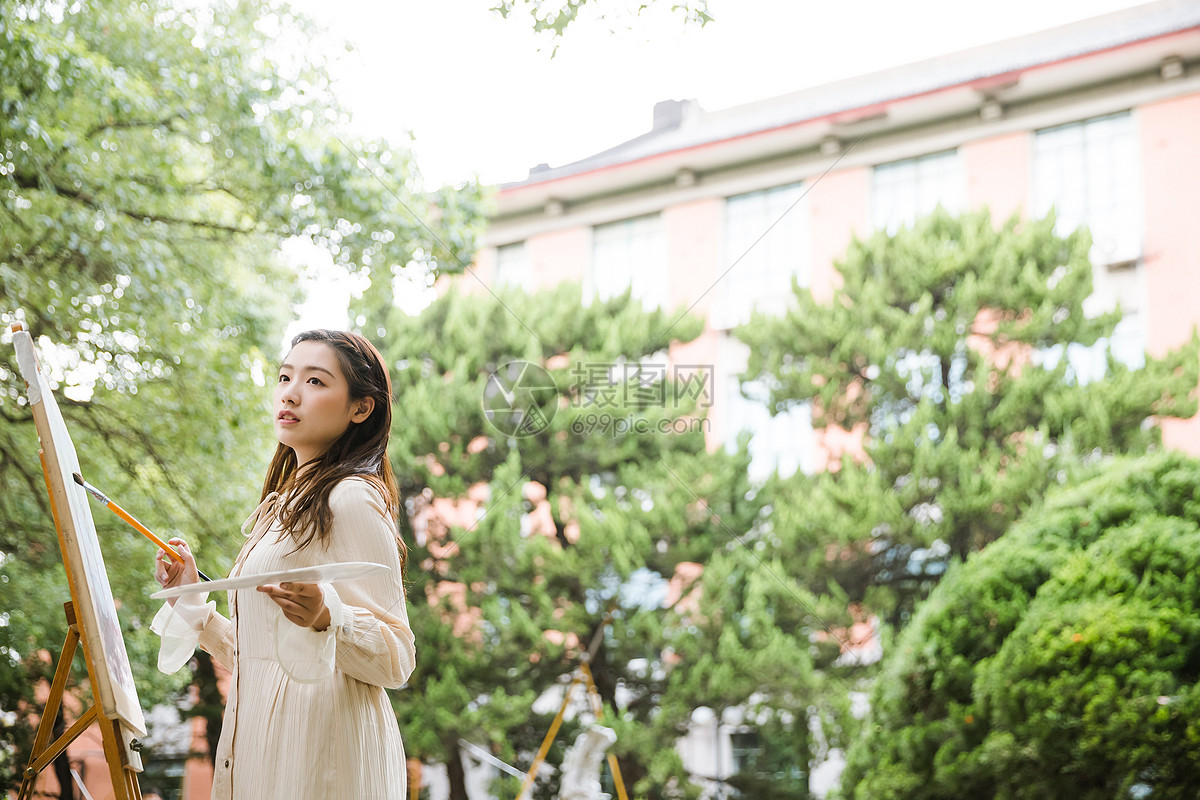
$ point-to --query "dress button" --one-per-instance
(227, 762)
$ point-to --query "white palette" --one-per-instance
(323, 573)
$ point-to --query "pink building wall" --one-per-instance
(998, 173)
(839, 208)
(693, 233)
(1170, 162)
(564, 255)
(484, 268)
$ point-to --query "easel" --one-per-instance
(122, 770)
(597, 704)
(115, 703)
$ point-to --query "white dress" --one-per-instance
(307, 715)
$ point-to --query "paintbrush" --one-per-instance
(137, 526)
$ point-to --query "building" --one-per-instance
(718, 211)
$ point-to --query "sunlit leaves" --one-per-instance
(153, 156)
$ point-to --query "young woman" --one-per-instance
(307, 715)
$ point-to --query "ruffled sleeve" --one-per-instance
(368, 637)
(194, 621)
(307, 655)
(181, 627)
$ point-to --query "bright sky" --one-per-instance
(482, 95)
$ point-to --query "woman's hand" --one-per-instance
(169, 572)
(302, 603)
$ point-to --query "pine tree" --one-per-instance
(943, 346)
(569, 523)
(1061, 661)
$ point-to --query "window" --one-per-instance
(783, 442)
(512, 266)
(630, 254)
(1122, 289)
(902, 191)
(1124, 283)
(766, 246)
(746, 748)
(1088, 173)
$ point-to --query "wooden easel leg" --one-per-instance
(53, 700)
(135, 791)
(618, 781)
(47, 756)
(598, 710)
(527, 784)
(124, 780)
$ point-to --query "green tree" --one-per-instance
(576, 520)
(1062, 660)
(943, 345)
(753, 649)
(152, 158)
(554, 18)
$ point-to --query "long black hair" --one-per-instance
(359, 452)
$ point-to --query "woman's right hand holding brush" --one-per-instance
(169, 572)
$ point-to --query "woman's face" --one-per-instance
(312, 401)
